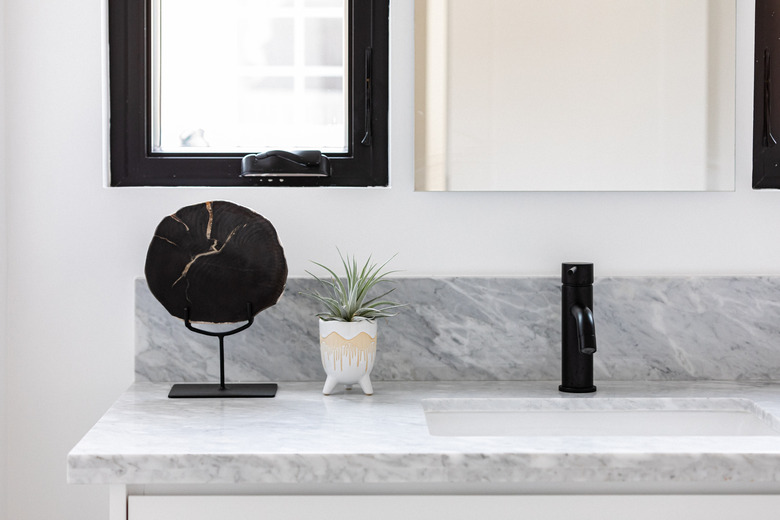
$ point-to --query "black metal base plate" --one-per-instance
(576, 389)
(198, 390)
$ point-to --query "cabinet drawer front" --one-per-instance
(582, 507)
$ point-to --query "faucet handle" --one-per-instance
(577, 273)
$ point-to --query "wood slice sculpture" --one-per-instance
(213, 258)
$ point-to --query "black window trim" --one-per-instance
(766, 152)
(133, 164)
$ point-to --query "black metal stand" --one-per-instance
(206, 390)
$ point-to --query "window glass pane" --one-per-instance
(249, 75)
(324, 3)
(323, 46)
(274, 45)
(323, 107)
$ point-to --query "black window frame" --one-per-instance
(132, 162)
(766, 149)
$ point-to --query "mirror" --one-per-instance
(574, 95)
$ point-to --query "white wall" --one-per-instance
(74, 247)
(3, 269)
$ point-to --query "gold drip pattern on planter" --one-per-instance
(361, 349)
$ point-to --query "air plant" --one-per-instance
(345, 299)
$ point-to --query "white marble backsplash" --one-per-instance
(483, 329)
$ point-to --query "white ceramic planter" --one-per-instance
(348, 350)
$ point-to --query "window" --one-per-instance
(197, 85)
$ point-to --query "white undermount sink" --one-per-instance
(598, 417)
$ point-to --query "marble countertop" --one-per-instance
(302, 437)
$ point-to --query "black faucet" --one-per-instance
(578, 330)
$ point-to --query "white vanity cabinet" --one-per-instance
(405, 507)
(302, 455)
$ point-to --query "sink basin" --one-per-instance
(598, 417)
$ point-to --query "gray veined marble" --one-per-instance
(304, 438)
(485, 329)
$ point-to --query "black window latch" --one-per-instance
(280, 163)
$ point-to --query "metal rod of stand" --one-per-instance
(221, 336)
(222, 390)
(221, 362)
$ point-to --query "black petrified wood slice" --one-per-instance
(214, 257)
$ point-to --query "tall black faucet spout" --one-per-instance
(586, 329)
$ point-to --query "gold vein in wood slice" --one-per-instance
(361, 349)
(211, 220)
(213, 250)
(180, 221)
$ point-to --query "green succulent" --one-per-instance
(345, 299)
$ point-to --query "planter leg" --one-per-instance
(330, 384)
(365, 384)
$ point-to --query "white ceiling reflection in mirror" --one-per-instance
(572, 95)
